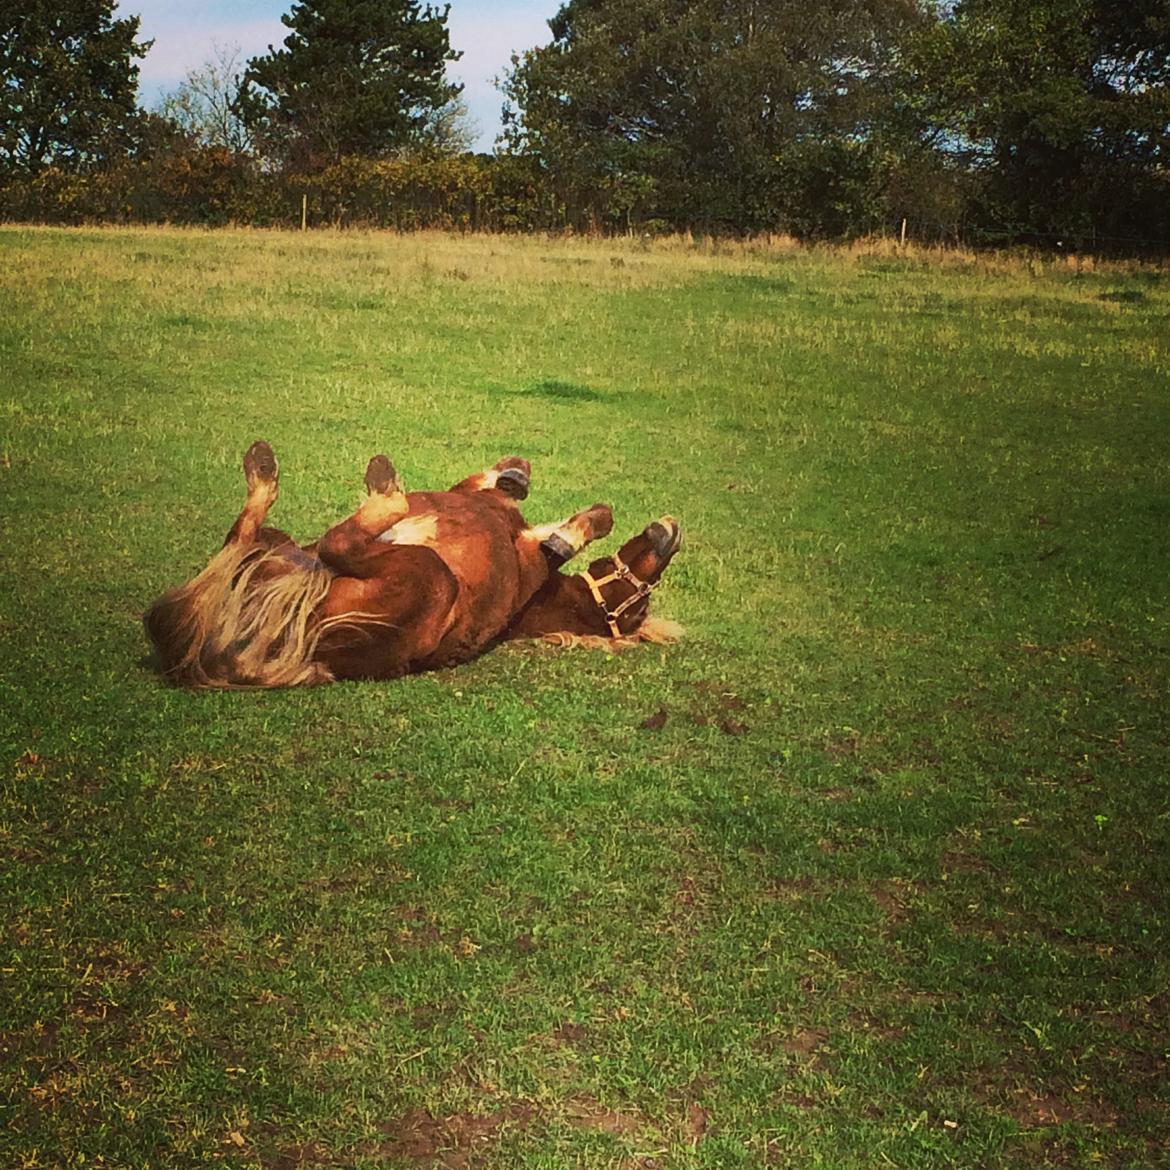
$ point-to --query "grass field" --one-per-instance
(884, 884)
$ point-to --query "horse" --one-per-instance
(409, 582)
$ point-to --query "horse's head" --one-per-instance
(620, 585)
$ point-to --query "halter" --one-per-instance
(621, 572)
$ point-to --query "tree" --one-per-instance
(450, 129)
(355, 77)
(204, 105)
(728, 109)
(1060, 109)
(68, 82)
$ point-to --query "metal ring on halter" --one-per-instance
(621, 572)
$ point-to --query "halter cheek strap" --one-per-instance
(621, 572)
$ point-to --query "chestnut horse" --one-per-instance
(409, 582)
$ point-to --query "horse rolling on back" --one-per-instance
(409, 582)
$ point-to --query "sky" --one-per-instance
(186, 33)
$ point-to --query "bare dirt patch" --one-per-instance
(891, 897)
(808, 1045)
(718, 706)
(420, 1138)
(586, 1113)
(295, 1156)
(572, 1034)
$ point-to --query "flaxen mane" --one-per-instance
(237, 624)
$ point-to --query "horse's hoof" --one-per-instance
(557, 549)
(513, 482)
(381, 478)
(600, 518)
(665, 536)
(260, 465)
(514, 463)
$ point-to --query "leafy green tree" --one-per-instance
(1059, 108)
(729, 108)
(68, 83)
(355, 77)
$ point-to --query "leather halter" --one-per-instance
(621, 572)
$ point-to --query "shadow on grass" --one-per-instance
(1124, 296)
(751, 282)
(563, 391)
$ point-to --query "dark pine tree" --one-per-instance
(355, 77)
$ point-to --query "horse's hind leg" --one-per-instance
(262, 474)
(352, 548)
(512, 475)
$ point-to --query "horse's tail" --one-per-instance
(239, 624)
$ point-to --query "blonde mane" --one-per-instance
(238, 625)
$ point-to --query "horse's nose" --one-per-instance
(665, 536)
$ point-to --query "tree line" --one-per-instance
(1042, 121)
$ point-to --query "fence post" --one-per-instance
(304, 213)
(903, 240)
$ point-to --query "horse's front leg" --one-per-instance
(562, 540)
(542, 550)
(512, 475)
(352, 548)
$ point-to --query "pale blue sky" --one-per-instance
(185, 34)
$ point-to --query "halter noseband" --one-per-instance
(621, 572)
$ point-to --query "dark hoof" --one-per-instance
(381, 478)
(513, 482)
(260, 465)
(557, 550)
(665, 537)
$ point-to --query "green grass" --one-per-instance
(888, 888)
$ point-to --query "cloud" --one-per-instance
(185, 35)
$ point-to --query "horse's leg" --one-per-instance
(352, 548)
(390, 625)
(542, 550)
(564, 539)
(511, 475)
(218, 629)
(262, 474)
